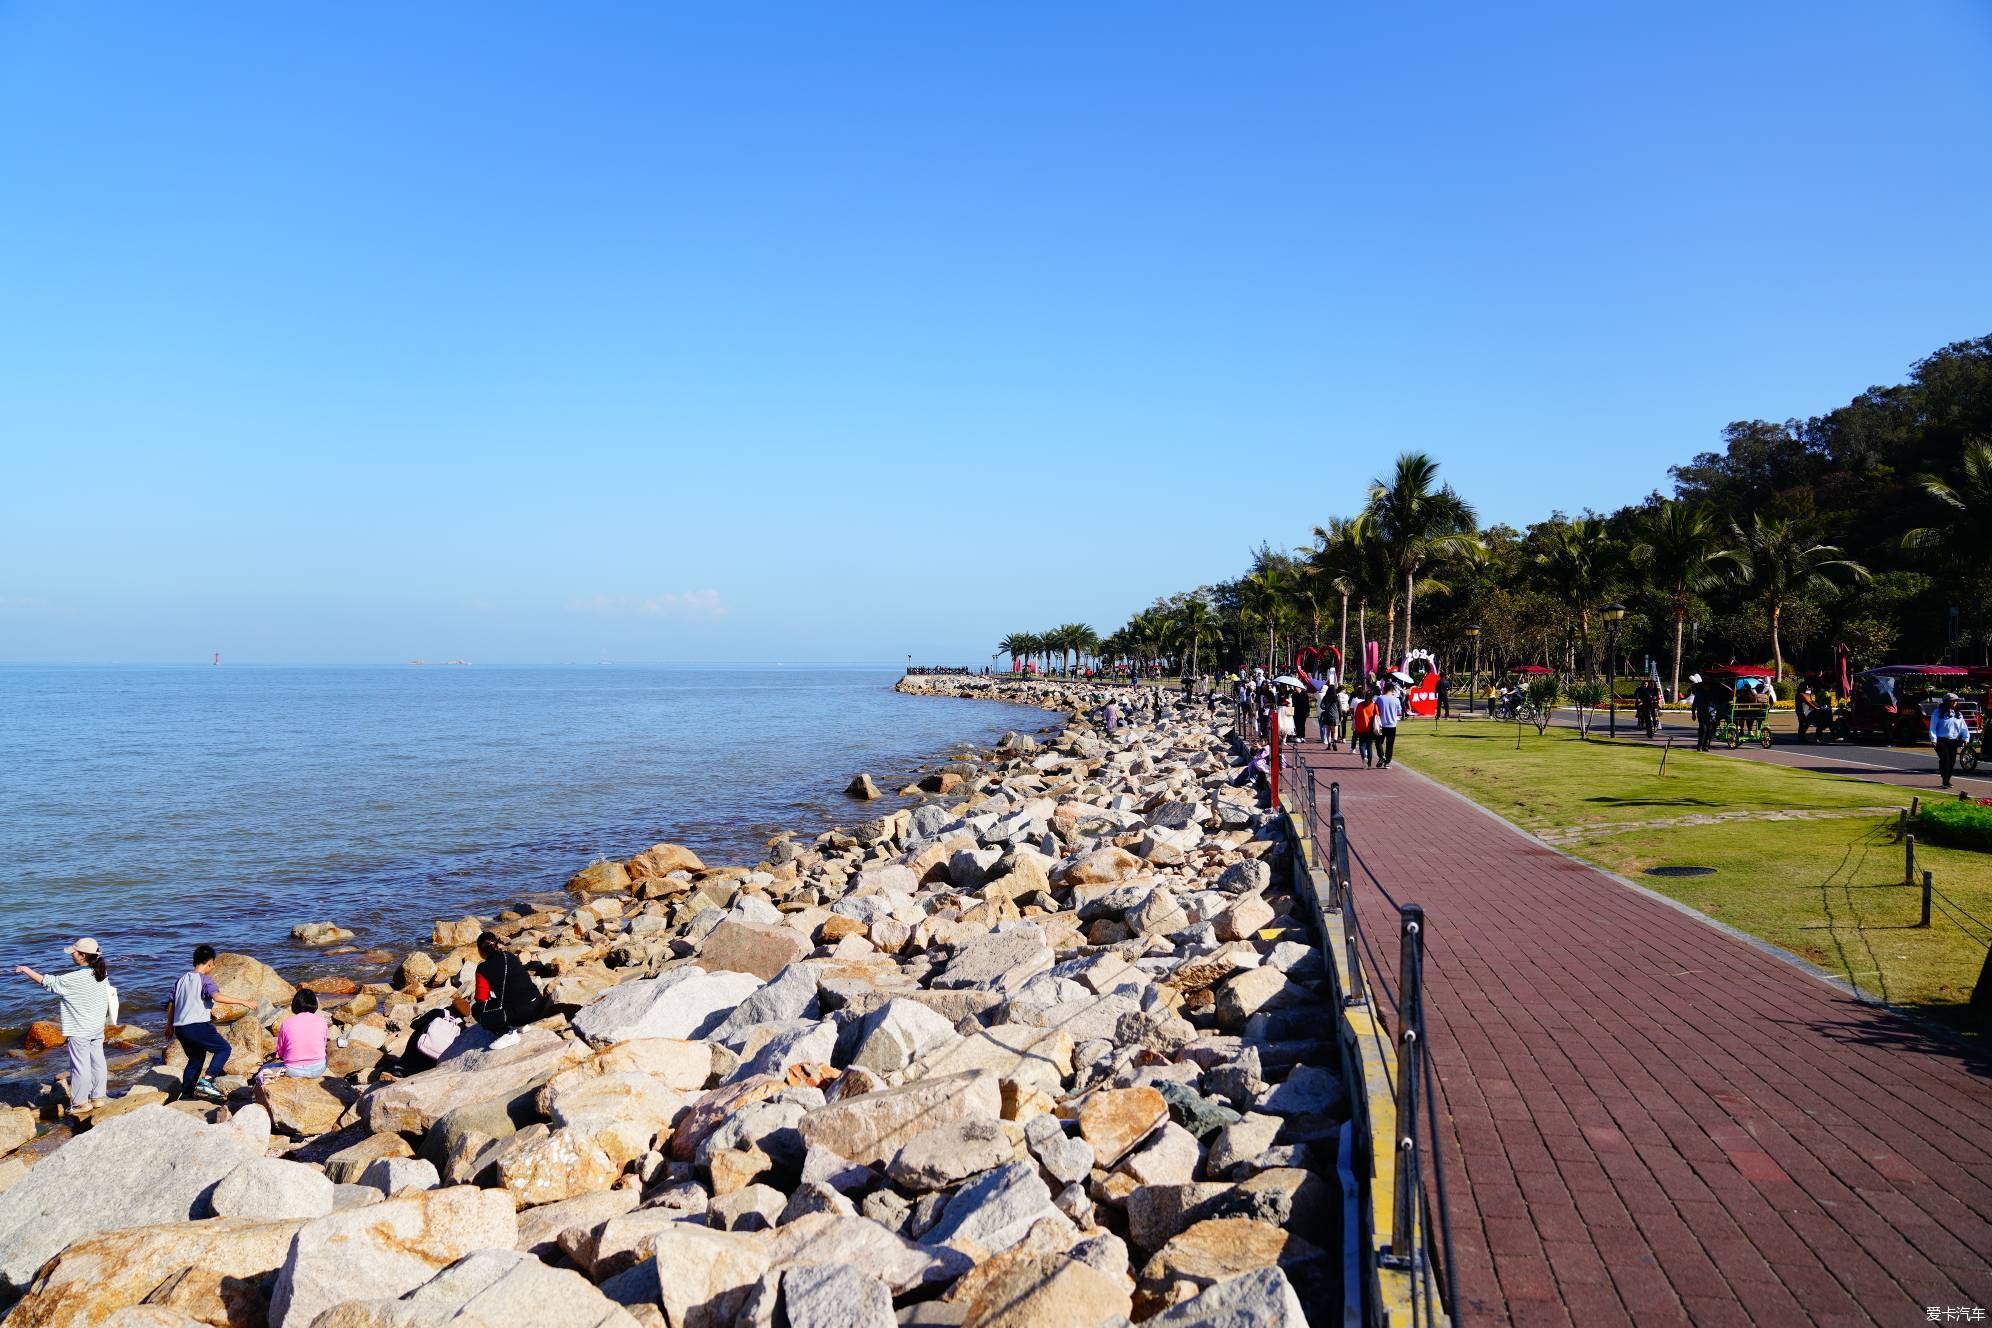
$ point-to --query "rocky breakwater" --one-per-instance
(1045, 1050)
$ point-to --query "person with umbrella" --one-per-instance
(1303, 703)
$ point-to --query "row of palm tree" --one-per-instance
(1416, 538)
(1068, 642)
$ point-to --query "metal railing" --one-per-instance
(1397, 1062)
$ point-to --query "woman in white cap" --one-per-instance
(86, 994)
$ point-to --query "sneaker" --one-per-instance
(505, 1040)
(206, 1088)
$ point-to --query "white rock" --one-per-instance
(143, 1168)
(489, 1289)
(996, 1211)
(399, 1175)
(835, 1295)
(685, 1002)
(899, 1033)
(1259, 1299)
(1169, 1158)
(271, 1189)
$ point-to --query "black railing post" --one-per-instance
(1345, 892)
(1410, 1046)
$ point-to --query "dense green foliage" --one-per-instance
(1865, 525)
(1959, 824)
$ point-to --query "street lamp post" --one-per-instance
(1613, 613)
(1473, 684)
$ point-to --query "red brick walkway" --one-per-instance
(1648, 1120)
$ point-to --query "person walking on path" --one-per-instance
(1701, 699)
(1950, 732)
(1389, 709)
(1364, 725)
(1334, 715)
(1444, 691)
(1646, 706)
(89, 1002)
(190, 1018)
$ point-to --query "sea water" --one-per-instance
(157, 808)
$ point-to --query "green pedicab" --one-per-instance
(1748, 715)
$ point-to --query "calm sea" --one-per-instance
(154, 808)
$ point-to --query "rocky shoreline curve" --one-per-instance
(1040, 1050)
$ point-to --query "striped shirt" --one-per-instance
(85, 1002)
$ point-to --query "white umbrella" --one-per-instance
(1287, 680)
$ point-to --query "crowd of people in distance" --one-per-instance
(941, 671)
(1364, 713)
(502, 997)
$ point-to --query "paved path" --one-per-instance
(1653, 1121)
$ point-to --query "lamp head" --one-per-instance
(1614, 612)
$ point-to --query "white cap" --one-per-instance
(86, 945)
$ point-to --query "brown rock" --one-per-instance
(707, 1114)
(251, 1045)
(872, 1127)
(94, 1277)
(836, 927)
(331, 986)
(463, 931)
(1213, 1250)
(1021, 1290)
(599, 878)
(248, 979)
(1114, 1120)
(752, 947)
(346, 1166)
(43, 1035)
(661, 860)
(17, 1126)
(1103, 866)
(417, 968)
(308, 1106)
(862, 788)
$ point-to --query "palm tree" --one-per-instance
(1077, 639)
(1263, 594)
(1418, 521)
(1195, 624)
(1577, 559)
(1776, 564)
(1681, 553)
(1015, 644)
(1968, 504)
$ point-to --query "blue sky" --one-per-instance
(524, 333)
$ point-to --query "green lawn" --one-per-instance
(1828, 889)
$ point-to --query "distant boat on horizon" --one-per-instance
(217, 659)
(431, 664)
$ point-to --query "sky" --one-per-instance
(523, 333)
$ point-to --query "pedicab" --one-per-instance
(1894, 702)
(1747, 716)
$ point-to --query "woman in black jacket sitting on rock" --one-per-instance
(506, 996)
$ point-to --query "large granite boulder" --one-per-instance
(685, 1002)
(412, 1105)
(270, 1189)
(871, 1127)
(488, 1289)
(216, 1271)
(147, 1167)
(385, 1250)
